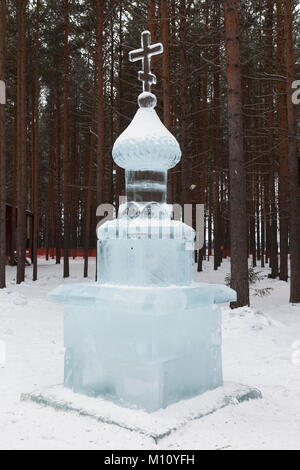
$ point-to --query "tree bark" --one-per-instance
(271, 183)
(36, 148)
(21, 146)
(66, 145)
(14, 186)
(217, 214)
(203, 167)
(100, 105)
(282, 146)
(58, 225)
(165, 75)
(239, 261)
(120, 171)
(151, 24)
(3, 13)
(89, 182)
(292, 158)
(110, 191)
(185, 160)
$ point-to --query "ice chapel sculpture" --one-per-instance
(145, 335)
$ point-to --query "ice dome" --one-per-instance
(146, 144)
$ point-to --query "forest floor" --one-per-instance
(259, 349)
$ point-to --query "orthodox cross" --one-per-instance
(144, 54)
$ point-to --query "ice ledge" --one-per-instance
(146, 229)
(89, 293)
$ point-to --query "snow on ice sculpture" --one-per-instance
(145, 335)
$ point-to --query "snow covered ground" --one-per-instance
(261, 348)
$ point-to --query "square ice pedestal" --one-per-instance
(143, 347)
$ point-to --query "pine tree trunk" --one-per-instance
(100, 106)
(262, 226)
(87, 204)
(165, 73)
(239, 261)
(203, 167)
(66, 145)
(185, 160)
(58, 225)
(51, 190)
(120, 172)
(282, 146)
(2, 149)
(292, 158)
(21, 146)
(89, 183)
(14, 186)
(217, 215)
(173, 177)
(36, 148)
(151, 24)
(110, 192)
(271, 183)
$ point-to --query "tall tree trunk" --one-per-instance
(217, 214)
(165, 73)
(36, 148)
(66, 145)
(21, 148)
(58, 226)
(263, 226)
(110, 192)
(203, 167)
(173, 178)
(120, 172)
(185, 161)
(151, 24)
(49, 219)
(14, 186)
(151, 17)
(89, 181)
(292, 158)
(282, 146)
(239, 261)
(271, 182)
(100, 105)
(2, 149)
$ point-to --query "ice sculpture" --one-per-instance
(145, 335)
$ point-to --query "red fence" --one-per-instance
(76, 253)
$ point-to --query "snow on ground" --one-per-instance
(258, 351)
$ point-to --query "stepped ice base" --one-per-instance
(143, 347)
(155, 425)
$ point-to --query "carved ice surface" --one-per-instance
(146, 144)
(144, 335)
(143, 346)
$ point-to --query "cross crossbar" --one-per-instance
(144, 54)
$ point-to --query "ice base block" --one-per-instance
(144, 347)
(156, 425)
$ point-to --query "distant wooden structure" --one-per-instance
(9, 231)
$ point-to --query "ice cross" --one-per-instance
(144, 54)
